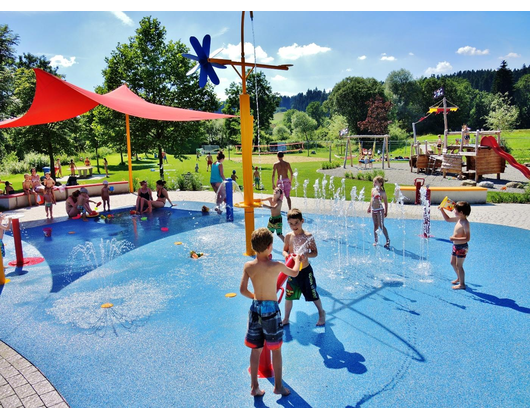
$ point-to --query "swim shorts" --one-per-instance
(81, 209)
(264, 324)
(256, 180)
(303, 284)
(285, 185)
(460, 250)
(3, 248)
(275, 224)
(48, 204)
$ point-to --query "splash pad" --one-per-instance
(171, 323)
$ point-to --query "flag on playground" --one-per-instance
(439, 93)
(343, 132)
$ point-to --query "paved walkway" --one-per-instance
(23, 385)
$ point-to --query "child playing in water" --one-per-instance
(302, 244)
(460, 238)
(275, 221)
(264, 319)
(49, 183)
(48, 202)
(83, 203)
(7, 226)
(256, 178)
(27, 187)
(378, 211)
(105, 196)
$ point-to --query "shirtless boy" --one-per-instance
(27, 187)
(302, 243)
(264, 322)
(275, 221)
(285, 177)
(460, 238)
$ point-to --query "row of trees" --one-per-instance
(153, 68)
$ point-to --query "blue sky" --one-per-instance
(323, 46)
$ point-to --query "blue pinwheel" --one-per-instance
(203, 53)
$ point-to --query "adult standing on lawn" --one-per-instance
(285, 177)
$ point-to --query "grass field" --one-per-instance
(147, 168)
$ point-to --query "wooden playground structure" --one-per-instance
(466, 157)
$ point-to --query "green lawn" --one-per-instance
(147, 168)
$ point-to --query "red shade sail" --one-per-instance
(58, 100)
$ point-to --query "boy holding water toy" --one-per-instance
(264, 317)
(275, 221)
(302, 244)
(460, 238)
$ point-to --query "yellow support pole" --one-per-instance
(3, 279)
(129, 154)
(246, 149)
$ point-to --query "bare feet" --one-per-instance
(282, 391)
(285, 322)
(387, 245)
(256, 392)
(321, 319)
(455, 281)
(375, 243)
(460, 286)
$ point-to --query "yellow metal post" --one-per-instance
(3, 279)
(129, 155)
(246, 149)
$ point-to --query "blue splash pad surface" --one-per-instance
(396, 335)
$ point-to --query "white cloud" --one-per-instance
(511, 55)
(233, 52)
(60, 61)
(411, 53)
(385, 57)
(126, 20)
(362, 57)
(295, 51)
(441, 67)
(467, 50)
(279, 78)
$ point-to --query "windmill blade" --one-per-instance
(203, 78)
(216, 52)
(206, 42)
(198, 48)
(190, 56)
(193, 70)
(211, 73)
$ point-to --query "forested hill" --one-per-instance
(483, 79)
(479, 79)
(300, 101)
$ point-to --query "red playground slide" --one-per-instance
(491, 142)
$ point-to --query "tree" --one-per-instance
(503, 81)
(404, 92)
(281, 133)
(349, 98)
(522, 99)
(156, 71)
(315, 111)
(8, 41)
(502, 116)
(377, 119)
(264, 108)
(303, 125)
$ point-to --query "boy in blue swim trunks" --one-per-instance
(275, 221)
(302, 244)
(264, 317)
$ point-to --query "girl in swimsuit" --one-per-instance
(161, 194)
(378, 211)
(145, 198)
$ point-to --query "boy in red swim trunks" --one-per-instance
(264, 318)
(460, 238)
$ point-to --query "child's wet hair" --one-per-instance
(294, 214)
(261, 239)
(463, 207)
(380, 180)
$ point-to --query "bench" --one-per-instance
(20, 200)
(473, 195)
